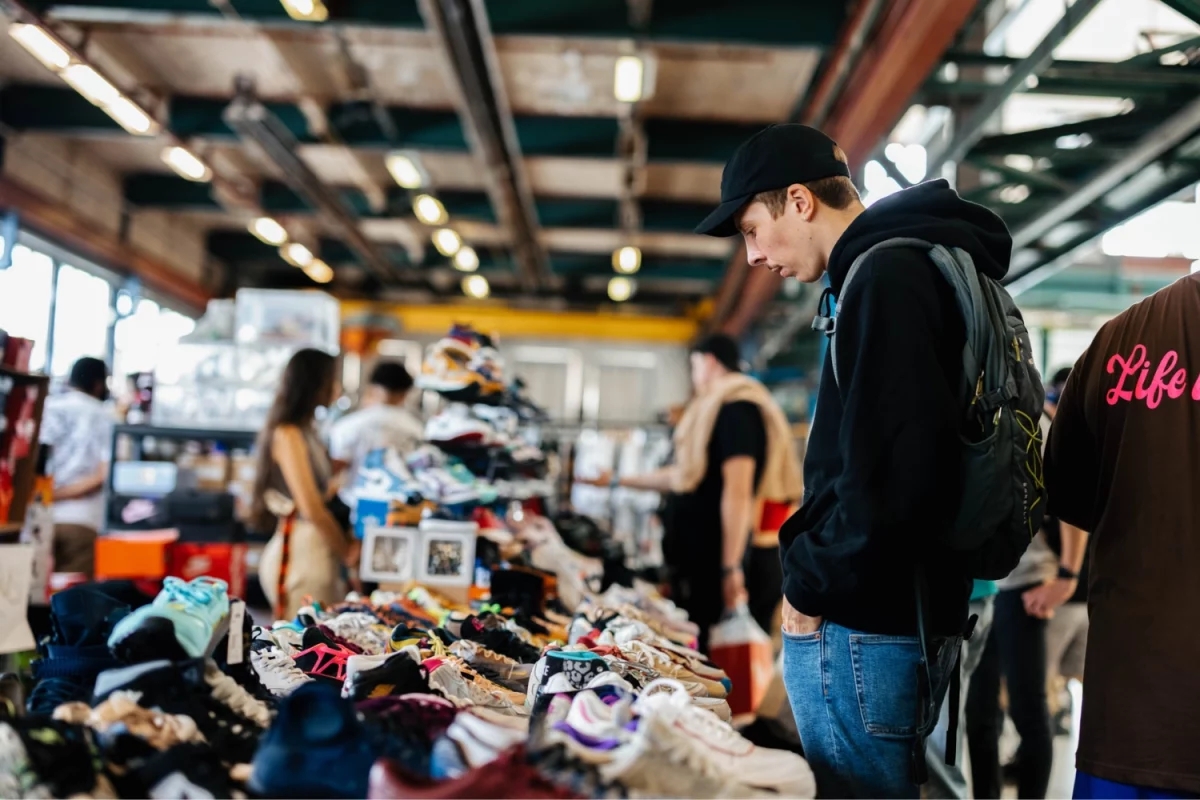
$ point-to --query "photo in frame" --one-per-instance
(447, 558)
(389, 555)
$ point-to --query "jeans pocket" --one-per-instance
(814, 636)
(885, 678)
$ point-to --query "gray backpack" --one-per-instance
(1003, 495)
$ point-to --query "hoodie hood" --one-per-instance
(931, 211)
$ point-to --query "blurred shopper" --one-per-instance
(305, 556)
(1042, 582)
(79, 428)
(1123, 462)
(733, 449)
(883, 463)
(381, 422)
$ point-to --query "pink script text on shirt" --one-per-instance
(1167, 380)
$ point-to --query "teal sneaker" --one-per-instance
(186, 620)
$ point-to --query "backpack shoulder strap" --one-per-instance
(829, 324)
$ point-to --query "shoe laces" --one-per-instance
(674, 703)
(281, 665)
(198, 592)
(327, 657)
(230, 693)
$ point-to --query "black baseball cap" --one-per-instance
(774, 158)
(723, 348)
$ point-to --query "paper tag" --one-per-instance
(237, 619)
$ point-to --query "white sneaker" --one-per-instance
(656, 659)
(229, 692)
(482, 735)
(361, 629)
(593, 728)
(779, 771)
(277, 671)
(466, 693)
(289, 640)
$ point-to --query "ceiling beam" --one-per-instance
(460, 27)
(397, 13)
(972, 129)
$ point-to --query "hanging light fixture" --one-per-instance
(627, 260)
(476, 286)
(186, 163)
(628, 79)
(429, 209)
(306, 10)
(447, 241)
(405, 169)
(268, 231)
(296, 254)
(41, 45)
(319, 271)
(466, 259)
(620, 289)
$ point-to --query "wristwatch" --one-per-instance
(1065, 574)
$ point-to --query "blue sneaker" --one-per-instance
(186, 620)
(384, 476)
(77, 650)
(315, 748)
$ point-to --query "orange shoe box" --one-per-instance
(134, 554)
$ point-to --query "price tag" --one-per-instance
(237, 620)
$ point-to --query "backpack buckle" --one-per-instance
(825, 325)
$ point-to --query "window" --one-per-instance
(82, 314)
(140, 339)
(26, 289)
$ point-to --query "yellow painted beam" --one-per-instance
(501, 321)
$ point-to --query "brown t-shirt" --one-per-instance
(1123, 462)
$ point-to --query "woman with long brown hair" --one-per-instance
(304, 558)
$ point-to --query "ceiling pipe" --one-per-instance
(972, 129)
(256, 125)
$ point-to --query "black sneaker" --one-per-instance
(243, 672)
(370, 676)
(60, 757)
(12, 697)
(182, 688)
(185, 770)
(77, 650)
(500, 640)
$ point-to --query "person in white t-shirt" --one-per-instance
(78, 427)
(380, 422)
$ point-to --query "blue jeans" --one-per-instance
(1089, 786)
(854, 696)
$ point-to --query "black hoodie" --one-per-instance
(881, 471)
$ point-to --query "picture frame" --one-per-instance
(447, 556)
(389, 555)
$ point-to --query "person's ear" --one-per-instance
(800, 197)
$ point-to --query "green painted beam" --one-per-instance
(400, 13)
(656, 267)
(54, 108)
(1189, 8)
(667, 215)
(567, 136)
(687, 140)
(571, 212)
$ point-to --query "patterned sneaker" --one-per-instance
(362, 630)
(323, 658)
(276, 669)
(577, 670)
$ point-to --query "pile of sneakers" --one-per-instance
(464, 366)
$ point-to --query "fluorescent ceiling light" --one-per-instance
(91, 84)
(466, 259)
(268, 231)
(628, 77)
(620, 289)
(41, 45)
(319, 271)
(405, 170)
(296, 254)
(429, 209)
(130, 116)
(627, 260)
(447, 241)
(306, 10)
(476, 286)
(185, 162)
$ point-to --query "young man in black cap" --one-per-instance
(732, 450)
(882, 468)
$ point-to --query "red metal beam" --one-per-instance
(55, 221)
(912, 37)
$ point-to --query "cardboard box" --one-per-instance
(216, 560)
(134, 554)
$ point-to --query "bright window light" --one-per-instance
(877, 182)
(319, 271)
(41, 45)
(429, 209)
(268, 231)
(628, 76)
(405, 170)
(130, 116)
(185, 162)
(620, 289)
(306, 10)
(1017, 193)
(466, 259)
(91, 84)
(476, 286)
(1166, 230)
(447, 241)
(911, 160)
(1074, 141)
(296, 254)
(627, 260)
